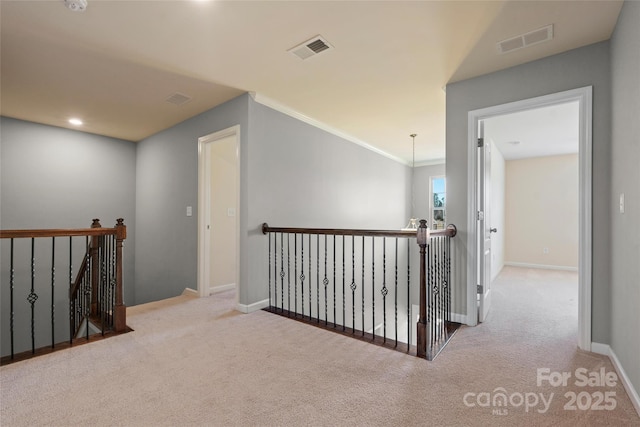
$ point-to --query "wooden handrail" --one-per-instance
(450, 231)
(61, 232)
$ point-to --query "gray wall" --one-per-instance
(587, 66)
(302, 176)
(166, 183)
(58, 178)
(292, 174)
(625, 178)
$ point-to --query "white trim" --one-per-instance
(253, 307)
(261, 99)
(203, 208)
(190, 292)
(606, 350)
(584, 97)
(433, 162)
(540, 266)
(221, 288)
(459, 318)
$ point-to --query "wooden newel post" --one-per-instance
(422, 329)
(95, 267)
(120, 310)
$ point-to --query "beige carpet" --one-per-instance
(196, 362)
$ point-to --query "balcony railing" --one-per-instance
(361, 283)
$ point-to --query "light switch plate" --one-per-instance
(189, 211)
(621, 203)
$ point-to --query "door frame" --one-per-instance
(204, 207)
(584, 97)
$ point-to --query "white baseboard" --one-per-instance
(459, 318)
(540, 266)
(221, 288)
(606, 350)
(190, 292)
(252, 307)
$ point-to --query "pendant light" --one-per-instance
(413, 222)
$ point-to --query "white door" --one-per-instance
(484, 224)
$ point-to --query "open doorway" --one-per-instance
(479, 228)
(534, 216)
(218, 206)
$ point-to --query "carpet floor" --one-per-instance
(197, 362)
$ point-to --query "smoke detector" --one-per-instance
(76, 5)
(311, 47)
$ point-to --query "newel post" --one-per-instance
(120, 310)
(421, 328)
(95, 267)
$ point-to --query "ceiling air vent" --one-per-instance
(178, 99)
(525, 40)
(311, 47)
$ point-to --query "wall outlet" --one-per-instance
(231, 212)
(545, 250)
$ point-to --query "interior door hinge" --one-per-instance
(480, 142)
(480, 216)
(480, 289)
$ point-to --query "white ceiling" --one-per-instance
(116, 63)
(548, 131)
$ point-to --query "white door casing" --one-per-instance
(483, 224)
(584, 97)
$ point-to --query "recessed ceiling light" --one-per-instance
(76, 122)
(514, 142)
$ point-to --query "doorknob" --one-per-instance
(493, 230)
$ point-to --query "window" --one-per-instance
(438, 205)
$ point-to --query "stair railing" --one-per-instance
(95, 295)
(359, 283)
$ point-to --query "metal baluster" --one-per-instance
(288, 277)
(318, 278)
(53, 292)
(72, 302)
(344, 317)
(33, 297)
(353, 283)
(408, 294)
(302, 273)
(11, 289)
(88, 289)
(395, 304)
(373, 287)
(295, 274)
(325, 281)
(384, 290)
(269, 268)
(281, 273)
(362, 326)
(448, 275)
(309, 246)
(334, 281)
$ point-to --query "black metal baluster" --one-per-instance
(11, 289)
(363, 287)
(395, 303)
(448, 273)
(72, 299)
(295, 274)
(373, 287)
(344, 318)
(318, 278)
(281, 273)
(408, 294)
(325, 281)
(269, 268)
(384, 290)
(353, 283)
(302, 273)
(53, 292)
(334, 281)
(87, 291)
(309, 246)
(33, 297)
(288, 277)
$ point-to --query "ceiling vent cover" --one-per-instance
(311, 47)
(525, 40)
(178, 99)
